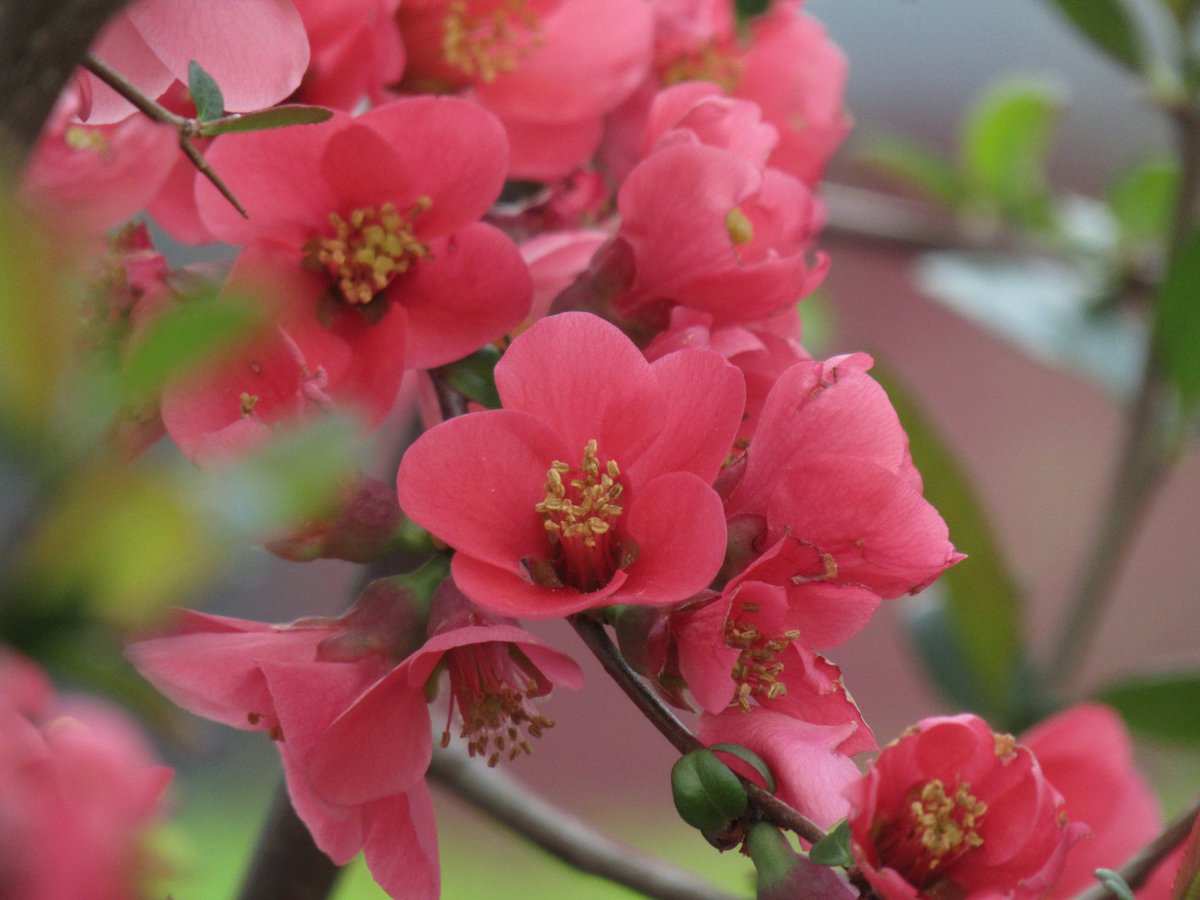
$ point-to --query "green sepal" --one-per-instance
(750, 758)
(834, 848)
(707, 794)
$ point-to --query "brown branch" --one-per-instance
(187, 128)
(1142, 864)
(286, 862)
(768, 805)
(562, 835)
(41, 43)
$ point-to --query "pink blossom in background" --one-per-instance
(555, 259)
(357, 51)
(596, 474)
(364, 243)
(950, 808)
(150, 43)
(1087, 754)
(81, 790)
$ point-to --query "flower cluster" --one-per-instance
(616, 202)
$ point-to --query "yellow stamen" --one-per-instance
(483, 46)
(709, 63)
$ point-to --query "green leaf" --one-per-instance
(474, 376)
(263, 119)
(784, 874)
(707, 794)
(1163, 706)
(981, 622)
(834, 848)
(1108, 25)
(210, 103)
(915, 167)
(1142, 201)
(180, 338)
(750, 758)
(1007, 137)
(1177, 320)
(1115, 883)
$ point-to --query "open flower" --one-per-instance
(952, 809)
(363, 237)
(592, 485)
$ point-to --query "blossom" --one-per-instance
(347, 710)
(592, 485)
(81, 789)
(829, 467)
(951, 808)
(363, 241)
(1086, 753)
(357, 51)
(256, 50)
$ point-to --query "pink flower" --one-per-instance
(1086, 753)
(349, 716)
(357, 51)
(80, 789)
(829, 467)
(256, 50)
(591, 485)
(952, 809)
(364, 236)
(713, 230)
(555, 259)
(798, 76)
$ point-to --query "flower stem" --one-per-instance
(1142, 864)
(768, 805)
(157, 112)
(562, 835)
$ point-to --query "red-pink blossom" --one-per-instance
(363, 237)
(356, 48)
(714, 231)
(1086, 753)
(554, 260)
(81, 789)
(829, 467)
(798, 76)
(592, 485)
(953, 809)
(256, 50)
(349, 718)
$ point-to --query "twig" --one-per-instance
(768, 805)
(286, 862)
(1147, 454)
(187, 128)
(1142, 864)
(563, 835)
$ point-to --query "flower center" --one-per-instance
(578, 515)
(758, 668)
(368, 250)
(492, 686)
(709, 63)
(935, 831)
(485, 44)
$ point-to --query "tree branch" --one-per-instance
(562, 835)
(41, 43)
(286, 862)
(769, 806)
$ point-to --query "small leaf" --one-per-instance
(1142, 201)
(474, 376)
(210, 103)
(1163, 706)
(1115, 883)
(1177, 320)
(1108, 25)
(707, 794)
(181, 337)
(916, 167)
(1006, 139)
(834, 849)
(263, 119)
(750, 758)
